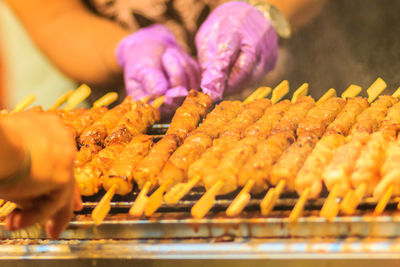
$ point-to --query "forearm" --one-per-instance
(299, 12)
(81, 44)
(11, 153)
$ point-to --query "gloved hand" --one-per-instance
(155, 64)
(236, 45)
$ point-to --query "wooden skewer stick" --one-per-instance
(180, 190)
(280, 91)
(268, 202)
(156, 199)
(254, 95)
(101, 210)
(77, 97)
(331, 207)
(106, 100)
(138, 207)
(299, 207)
(396, 93)
(302, 91)
(61, 100)
(264, 92)
(351, 91)
(380, 207)
(7, 208)
(206, 202)
(145, 99)
(24, 103)
(376, 89)
(353, 199)
(241, 200)
(158, 102)
(329, 94)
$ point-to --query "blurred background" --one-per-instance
(348, 42)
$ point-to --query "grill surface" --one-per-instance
(173, 233)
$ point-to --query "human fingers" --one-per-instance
(40, 210)
(242, 69)
(56, 224)
(217, 63)
(193, 72)
(181, 68)
(77, 200)
(173, 99)
(174, 67)
(134, 88)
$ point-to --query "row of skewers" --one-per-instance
(255, 145)
(348, 145)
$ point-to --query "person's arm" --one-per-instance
(299, 12)
(81, 44)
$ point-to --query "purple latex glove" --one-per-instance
(155, 64)
(236, 46)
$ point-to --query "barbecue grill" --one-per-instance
(172, 233)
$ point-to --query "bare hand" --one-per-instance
(50, 193)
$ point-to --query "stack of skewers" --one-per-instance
(345, 146)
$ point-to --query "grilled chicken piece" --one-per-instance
(342, 164)
(371, 119)
(348, 116)
(185, 120)
(339, 171)
(231, 134)
(90, 174)
(149, 168)
(198, 141)
(121, 171)
(215, 121)
(98, 131)
(82, 121)
(309, 131)
(368, 165)
(310, 175)
(230, 165)
(133, 123)
(272, 115)
(390, 171)
(259, 165)
(188, 115)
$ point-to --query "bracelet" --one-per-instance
(275, 16)
(20, 174)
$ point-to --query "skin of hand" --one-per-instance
(236, 46)
(50, 193)
(155, 64)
